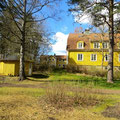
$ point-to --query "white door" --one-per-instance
(30, 69)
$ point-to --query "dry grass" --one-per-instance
(28, 108)
(19, 107)
(60, 96)
(27, 100)
(112, 111)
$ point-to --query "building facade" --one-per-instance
(91, 49)
(56, 60)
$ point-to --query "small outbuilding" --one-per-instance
(11, 67)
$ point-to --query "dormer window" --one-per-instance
(96, 45)
(105, 45)
(80, 45)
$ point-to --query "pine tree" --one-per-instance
(95, 9)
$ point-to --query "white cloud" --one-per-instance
(86, 18)
(59, 48)
(83, 19)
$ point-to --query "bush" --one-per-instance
(90, 70)
(59, 97)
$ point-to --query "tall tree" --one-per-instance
(111, 43)
(20, 12)
(101, 12)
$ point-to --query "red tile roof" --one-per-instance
(73, 38)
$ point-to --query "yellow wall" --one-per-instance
(60, 63)
(72, 58)
(12, 68)
(9, 68)
(1, 67)
(52, 61)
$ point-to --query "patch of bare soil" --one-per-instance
(112, 111)
(41, 85)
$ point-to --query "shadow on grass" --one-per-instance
(98, 82)
(40, 76)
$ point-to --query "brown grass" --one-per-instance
(20, 107)
(112, 111)
(60, 96)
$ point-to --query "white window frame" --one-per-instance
(96, 45)
(78, 57)
(91, 57)
(105, 45)
(119, 45)
(119, 58)
(80, 45)
(105, 57)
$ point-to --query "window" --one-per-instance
(106, 57)
(96, 45)
(64, 60)
(119, 45)
(80, 45)
(93, 57)
(105, 45)
(80, 57)
(119, 58)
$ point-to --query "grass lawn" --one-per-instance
(59, 96)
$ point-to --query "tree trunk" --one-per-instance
(111, 43)
(22, 47)
(22, 69)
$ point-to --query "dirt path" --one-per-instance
(39, 85)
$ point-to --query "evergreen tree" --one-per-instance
(101, 12)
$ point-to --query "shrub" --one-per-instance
(59, 97)
(91, 70)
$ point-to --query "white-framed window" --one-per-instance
(80, 45)
(106, 57)
(105, 45)
(96, 45)
(80, 57)
(119, 45)
(93, 57)
(119, 58)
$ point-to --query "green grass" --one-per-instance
(75, 79)
(27, 99)
(35, 92)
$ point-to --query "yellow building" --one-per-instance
(91, 49)
(61, 61)
(48, 59)
(56, 60)
(11, 67)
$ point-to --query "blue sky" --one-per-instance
(64, 26)
(61, 29)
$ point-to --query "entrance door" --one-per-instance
(30, 69)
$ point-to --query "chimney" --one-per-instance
(87, 31)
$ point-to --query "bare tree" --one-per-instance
(20, 12)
